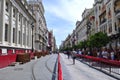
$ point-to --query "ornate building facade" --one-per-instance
(41, 31)
(103, 17)
(15, 26)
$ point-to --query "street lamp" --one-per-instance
(88, 27)
(32, 26)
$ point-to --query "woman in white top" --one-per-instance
(112, 54)
(105, 54)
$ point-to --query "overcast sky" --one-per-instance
(61, 16)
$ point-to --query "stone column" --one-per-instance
(16, 29)
(10, 31)
(25, 33)
(30, 37)
(21, 28)
(28, 26)
(113, 16)
(2, 21)
(107, 19)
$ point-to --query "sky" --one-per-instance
(61, 16)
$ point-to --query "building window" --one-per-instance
(110, 28)
(19, 37)
(23, 33)
(39, 46)
(109, 13)
(119, 40)
(6, 32)
(99, 8)
(19, 18)
(23, 38)
(7, 8)
(27, 40)
(115, 27)
(13, 35)
(105, 29)
(14, 13)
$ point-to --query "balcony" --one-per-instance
(117, 8)
(103, 9)
(117, 13)
(103, 21)
(103, 27)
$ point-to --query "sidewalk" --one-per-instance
(40, 69)
(80, 71)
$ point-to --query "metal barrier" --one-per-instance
(111, 67)
(6, 60)
(60, 76)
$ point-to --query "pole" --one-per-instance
(32, 25)
(32, 38)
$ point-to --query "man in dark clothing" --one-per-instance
(68, 54)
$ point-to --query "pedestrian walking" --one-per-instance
(79, 52)
(68, 54)
(112, 55)
(74, 55)
(105, 53)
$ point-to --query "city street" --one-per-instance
(40, 69)
(81, 71)
(33, 32)
(45, 68)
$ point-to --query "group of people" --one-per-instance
(113, 54)
(72, 54)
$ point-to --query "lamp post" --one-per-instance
(32, 26)
(89, 24)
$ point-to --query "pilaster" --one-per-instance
(10, 31)
(2, 21)
(113, 16)
(28, 38)
(21, 28)
(25, 33)
(16, 31)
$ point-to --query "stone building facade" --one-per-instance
(41, 31)
(15, 26)
(103, 17)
